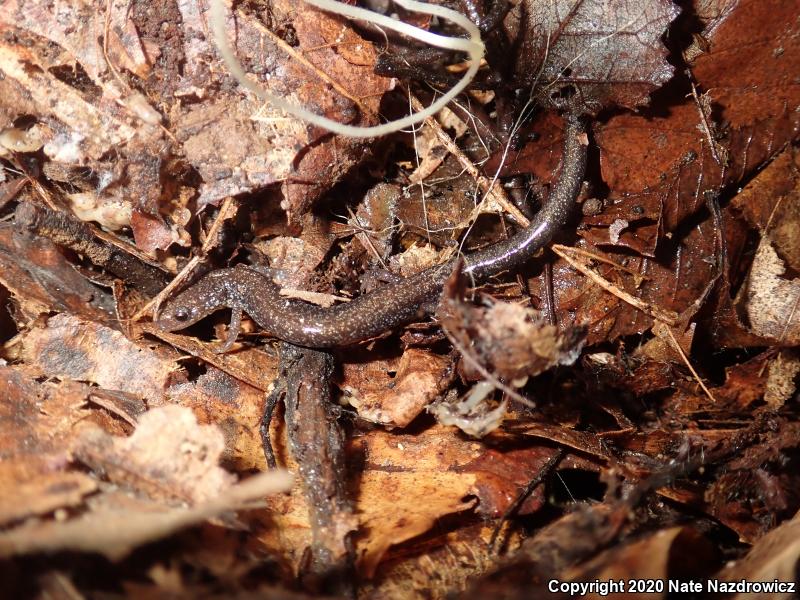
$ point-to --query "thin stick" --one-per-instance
(706, 126)
(608, 261)
(153, 305)
(689, 364)
(549, 296)
(668, 317)
(422, 179)
(488, 187)
(278, 41)
(522, 496)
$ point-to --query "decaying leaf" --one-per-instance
(549, 425)
(84, 117)
(43, 494)
(222, 399)
(42, 280)
(472, 414)
(375, 220)
(294, 259)
(771, 204)
(37, 423)
(602, 54)
(672, 554)
(239, 145)
(168, 457)
(409, 482)
(760, 88)
(440, 569)
(509, 340)
(746, 382)
(424, 478)
(780, 385)
(395, 391)
(660, 167)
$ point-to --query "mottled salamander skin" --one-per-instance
(242, 288)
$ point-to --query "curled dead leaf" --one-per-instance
(508, 339)
(773, 557)
(769, 299)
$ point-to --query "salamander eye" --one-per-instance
(181, 313)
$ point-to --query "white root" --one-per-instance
(473, 46)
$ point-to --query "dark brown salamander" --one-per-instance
(245, 290)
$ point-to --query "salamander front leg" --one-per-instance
(234, 329)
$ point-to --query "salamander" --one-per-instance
(245, 290)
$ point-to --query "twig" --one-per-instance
(548, 296)
(686, 361)
(66, 230)
(359, 228)
(600, 258)
(488, 187)
(523, 495)
(720, 154)
(666, 316)
(317, 443)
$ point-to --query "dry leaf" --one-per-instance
(42, 280)
(168, 457)
(125, 113)
(37, 423)
(773, 557)
(410, 483)
(780, 385)
(72, 348)
(675, 554)
(119, 524)
(43, 494)
(771, 203)
(222, 399)
(509, 340)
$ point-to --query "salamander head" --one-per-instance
(177, 315)
(208, 295)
